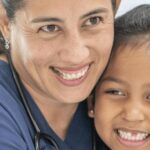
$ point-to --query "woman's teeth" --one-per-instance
(73, 75)
(126, 135)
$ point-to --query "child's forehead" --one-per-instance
(133, 44)
(128, 52)
(134, 41)
(128, 63)
(135, 51)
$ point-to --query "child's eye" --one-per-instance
(115, 92)
(50, 28)
(148, 97)
(93, 21)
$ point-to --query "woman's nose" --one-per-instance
(74, 49)
(133, 111)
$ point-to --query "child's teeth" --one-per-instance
(132, 137)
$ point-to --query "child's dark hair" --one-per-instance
(133, 25)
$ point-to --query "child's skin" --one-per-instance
(122, 107)
(122, 97)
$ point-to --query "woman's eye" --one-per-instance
(115, 92)
(50, 28)
(93, 21)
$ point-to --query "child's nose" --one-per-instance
(133, 111)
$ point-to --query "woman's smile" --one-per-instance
(71, 76)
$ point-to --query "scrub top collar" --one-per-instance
(79, 136)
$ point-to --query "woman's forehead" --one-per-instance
(64, 4)
(65, 7)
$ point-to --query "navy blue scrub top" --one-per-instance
(16, 131)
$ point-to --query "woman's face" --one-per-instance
(60, 48)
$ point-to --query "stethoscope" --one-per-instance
(38, 134)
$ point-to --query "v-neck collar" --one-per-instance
(79, 136)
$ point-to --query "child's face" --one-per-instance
(122, 108)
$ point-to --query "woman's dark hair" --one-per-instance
(12, 6)
(1, 43)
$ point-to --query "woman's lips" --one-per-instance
(71, 77)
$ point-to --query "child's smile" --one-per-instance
(132, 138)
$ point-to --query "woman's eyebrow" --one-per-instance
(49, 19)
(45, 19)
(96, 11)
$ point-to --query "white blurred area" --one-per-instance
(127, 5)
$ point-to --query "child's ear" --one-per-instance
(4, 22)
(90, 100)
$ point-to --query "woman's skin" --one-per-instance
(59, 50)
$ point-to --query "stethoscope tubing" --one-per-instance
(19, 86)
(20, 90)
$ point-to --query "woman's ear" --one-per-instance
(90, 100)
(4, 22)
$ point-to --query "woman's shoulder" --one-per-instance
(11, 110)
(5, 73)
(14, 124)
(15, 132)
(9, 97)
(6, 79)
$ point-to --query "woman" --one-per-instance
(58, 49)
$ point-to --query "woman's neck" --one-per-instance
(58, 115)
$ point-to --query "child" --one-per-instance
(122, 97)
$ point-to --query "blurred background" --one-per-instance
(126, 5)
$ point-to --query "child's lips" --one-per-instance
(132, 138)
(132, 135)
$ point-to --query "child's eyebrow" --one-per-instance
(113, 79)
(147, 85)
